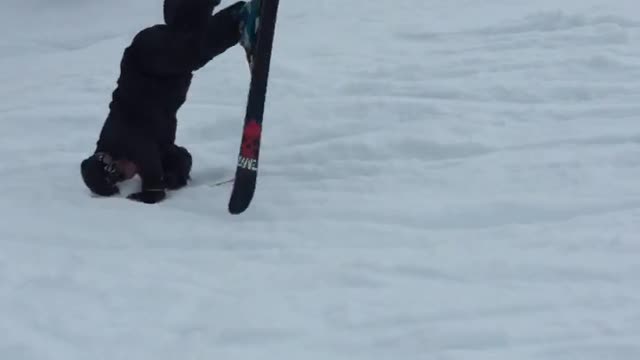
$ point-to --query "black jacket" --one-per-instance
(155, 75)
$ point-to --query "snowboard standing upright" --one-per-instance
(247, 169)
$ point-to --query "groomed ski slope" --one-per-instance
(439, 180)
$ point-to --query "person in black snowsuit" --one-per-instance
(138, 135)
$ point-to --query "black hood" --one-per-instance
(100, 174)
(188, 14)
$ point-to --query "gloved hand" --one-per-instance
(174, 181)
(148, 196)
(176, 164)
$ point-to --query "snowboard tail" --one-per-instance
(246, 176)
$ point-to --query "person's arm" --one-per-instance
(176, 164)
(147, 158)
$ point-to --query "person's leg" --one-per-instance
(223, 30)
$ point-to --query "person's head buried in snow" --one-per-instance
(101, 173)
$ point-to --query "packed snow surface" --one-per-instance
(438, 180)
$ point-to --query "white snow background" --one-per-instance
(439, 180)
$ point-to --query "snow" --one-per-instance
(439, 180)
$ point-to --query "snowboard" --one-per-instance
(246, 175)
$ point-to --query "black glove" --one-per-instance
(148, 196)
(176, 164)
(174, 181)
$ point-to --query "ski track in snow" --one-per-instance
(438, 181)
